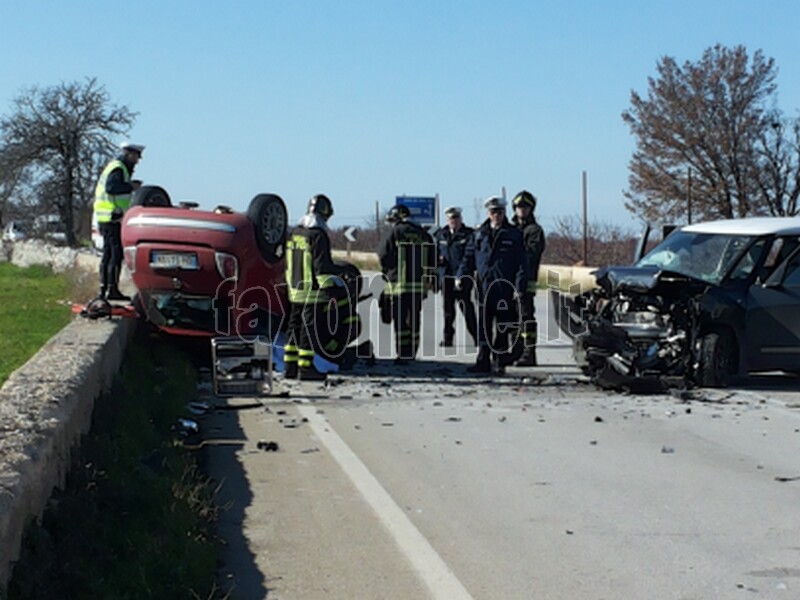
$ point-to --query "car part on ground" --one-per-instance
(241, 367)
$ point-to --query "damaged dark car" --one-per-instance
(711, 302)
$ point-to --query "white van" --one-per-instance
(50, 227)
(13, 232)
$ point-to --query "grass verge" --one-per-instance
(135, 518)
(32, 310)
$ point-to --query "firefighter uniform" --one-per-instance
(315, 289)
(408, 261)
(534, 239)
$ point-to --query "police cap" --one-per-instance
(494, 202)
(130, 146)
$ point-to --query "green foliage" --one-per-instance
(33, 308)
(134, 521)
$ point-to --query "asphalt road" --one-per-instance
(424, 482)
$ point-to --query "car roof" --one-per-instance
(748, 226)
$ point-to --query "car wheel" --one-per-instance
(351, 275)
(151, 195)
(717, 360)
(270, 220)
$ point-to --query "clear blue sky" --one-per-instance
(366, 100)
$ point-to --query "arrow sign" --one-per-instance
(350, 234)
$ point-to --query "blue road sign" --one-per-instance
(423, 208)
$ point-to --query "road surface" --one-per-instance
(424, 482)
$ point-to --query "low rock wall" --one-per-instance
(45, 408)
(46, 405)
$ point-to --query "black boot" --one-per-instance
(103, 292)
(528, 358)
(311, 374)
(498, 364)
(290, 370)
(447, 342)
(482, 365)
(115, 294)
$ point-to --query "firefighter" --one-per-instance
(112, 197)
(524, 204)
(408, 261)
(496, 254)
(315, 287)
(451, 242)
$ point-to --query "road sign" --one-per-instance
(423, 208)
(350, 234)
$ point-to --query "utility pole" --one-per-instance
(585, 224)
(689, 195)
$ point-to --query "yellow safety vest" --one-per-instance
(104, 203)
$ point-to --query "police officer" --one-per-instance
(314, 280)
(451, 242)
(112, 197)
(497, 255)
(408, 262)
(524, 204)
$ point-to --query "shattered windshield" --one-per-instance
(704, 256)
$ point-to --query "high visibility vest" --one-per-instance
(104, 203)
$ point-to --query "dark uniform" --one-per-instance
(497, 255)
(316, 288)
(408, 261)
(451, 245)
(534, 240)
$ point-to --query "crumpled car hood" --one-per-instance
(643, 280)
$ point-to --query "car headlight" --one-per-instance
(130, 258)
(227, 265)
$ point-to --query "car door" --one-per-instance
(772, 324)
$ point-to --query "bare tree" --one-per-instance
(778, 167)
(54, 144)
(705, 130)
(609, 244)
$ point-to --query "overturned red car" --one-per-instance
(212, 272)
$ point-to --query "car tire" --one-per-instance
(351, 275)
(151, 195)
(270, 220)
(717, 360)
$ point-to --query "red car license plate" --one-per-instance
(174, 260)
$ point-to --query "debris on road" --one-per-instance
(267, 446)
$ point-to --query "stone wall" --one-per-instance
(45, 408)
(46, 405)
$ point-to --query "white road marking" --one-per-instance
(431, 568)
